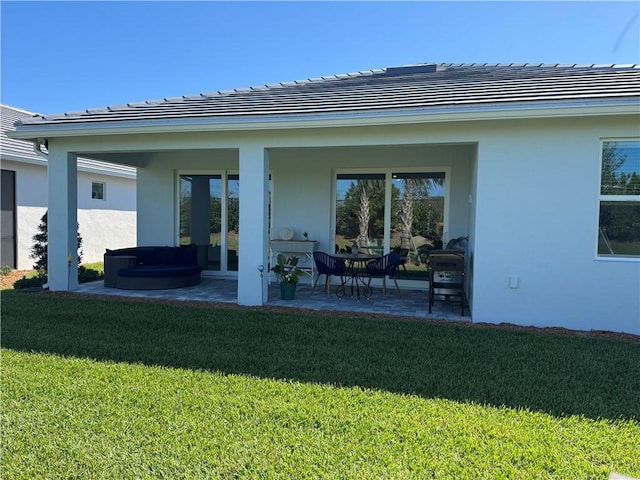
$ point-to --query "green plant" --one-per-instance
(5, 269)
(39, 250)
(30, 282)
(86, 273)
(287, 269)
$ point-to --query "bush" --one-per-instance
(39, 251)
(31, 282)
(84, 275)
(88, 275)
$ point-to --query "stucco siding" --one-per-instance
(102, 229)
(537, 209)
(27, 227)
(108, 223)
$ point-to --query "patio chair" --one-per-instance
(404, 255)
(327, 265)
(384, 267)
(446, 277)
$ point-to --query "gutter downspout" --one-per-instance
(38, 144)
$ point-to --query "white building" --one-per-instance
(528, 161)
(106, 199)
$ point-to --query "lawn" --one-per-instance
(104, 388)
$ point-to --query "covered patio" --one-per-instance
(401, 303)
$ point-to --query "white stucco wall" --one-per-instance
(109, 223)
(537, 218)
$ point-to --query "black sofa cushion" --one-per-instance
(182, 255)
(152, 271)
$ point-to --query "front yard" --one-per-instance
(104, 388)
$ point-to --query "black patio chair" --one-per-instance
(384, 267)
(404, 256)
(327, 265)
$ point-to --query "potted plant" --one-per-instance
(289, 274)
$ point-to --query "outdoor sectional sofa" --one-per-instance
(151, 268)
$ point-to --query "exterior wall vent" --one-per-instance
(411, 69)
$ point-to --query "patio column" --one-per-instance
(62, 226)
(254, 222)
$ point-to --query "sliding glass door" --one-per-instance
(233, 221)
(384, 211)
(417, 218)
(360, 210)
(209, 205)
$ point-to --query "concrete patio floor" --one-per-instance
(404, 303)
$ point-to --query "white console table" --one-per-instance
(303, 249)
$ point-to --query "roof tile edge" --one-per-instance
(425, 67)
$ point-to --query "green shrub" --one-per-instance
(85, 274)
(39, 251)
(88, 274)
(30, 282)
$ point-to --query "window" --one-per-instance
(619, 220)
(360, 208)
(379, 212)
(98, 190)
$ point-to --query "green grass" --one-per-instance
(109, 388)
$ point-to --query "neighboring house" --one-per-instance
(534, 163)
(106, 199)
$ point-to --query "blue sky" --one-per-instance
(65, 56)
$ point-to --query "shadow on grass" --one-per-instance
(560, 375)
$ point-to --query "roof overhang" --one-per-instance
(454, 113)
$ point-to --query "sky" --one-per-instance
(65, 56)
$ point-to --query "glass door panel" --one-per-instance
(360, 207)
(201, 217)
(233, 221)
(417, 218)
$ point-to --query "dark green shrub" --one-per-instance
(41, 244)
(88, 275)
(84, 275)
(31, 282)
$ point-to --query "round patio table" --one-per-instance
(355, 274)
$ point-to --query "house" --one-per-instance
(106, 199)
(534, 164)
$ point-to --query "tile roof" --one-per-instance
(23, 151)
(11, 148)
(421, 87)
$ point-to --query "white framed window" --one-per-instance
(380, 210)
(98, 190)
(619, 204)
